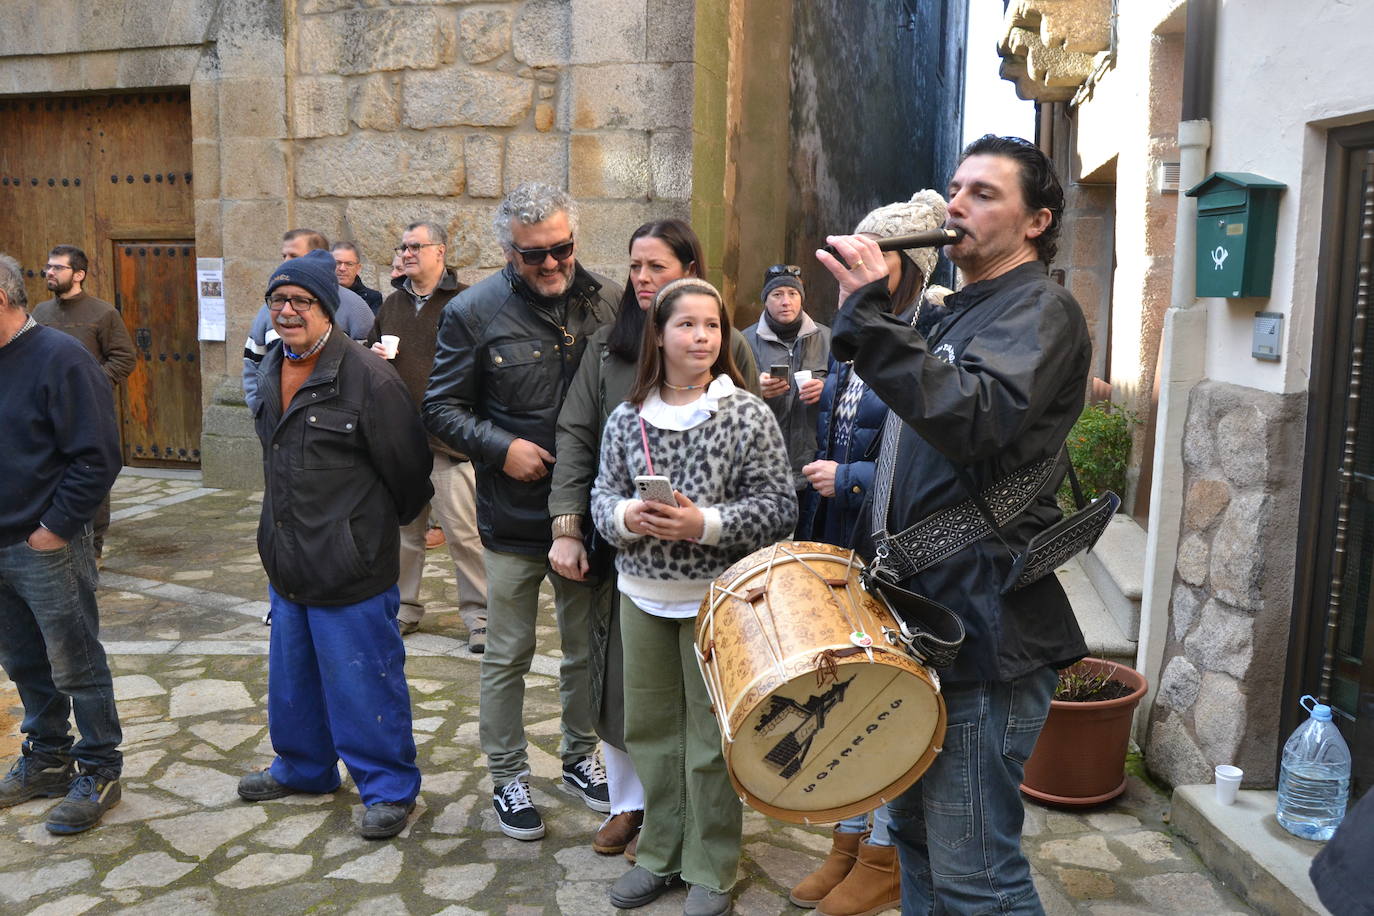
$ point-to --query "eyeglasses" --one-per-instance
(535, 256)
(781, 270)
(299, 304)
(338, 264)
(54, 268)
(414, 247)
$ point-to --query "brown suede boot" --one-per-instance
(844, 851)
(874, 884)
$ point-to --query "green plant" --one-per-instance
(1100, 447)
(1081, 684)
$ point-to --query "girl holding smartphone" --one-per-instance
(687, 419)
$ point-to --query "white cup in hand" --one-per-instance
(802, 376)
(389, 343)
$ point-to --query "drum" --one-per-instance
(823, 712)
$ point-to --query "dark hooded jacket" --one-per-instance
(503, 363)
(996, 385)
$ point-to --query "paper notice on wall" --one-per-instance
(210, 293)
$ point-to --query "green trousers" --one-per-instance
(512, 608)
(692, 817)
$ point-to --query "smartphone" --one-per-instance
(655, 489)
(781, 371)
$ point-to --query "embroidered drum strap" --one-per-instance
(947, 531)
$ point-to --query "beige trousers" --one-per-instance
(454, 507)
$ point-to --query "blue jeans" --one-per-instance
(50, 647)
(958, 829)
(882, 825)
(336, 688)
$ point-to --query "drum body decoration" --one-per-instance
(823, 711)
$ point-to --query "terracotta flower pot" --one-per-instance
(1080, 757)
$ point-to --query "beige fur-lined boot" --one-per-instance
(874, 884)
(844, 852)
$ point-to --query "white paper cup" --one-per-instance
(1228, 783)
(802, 376)
(389, 343)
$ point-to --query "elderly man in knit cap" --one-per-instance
(346, 463)
(791, 351)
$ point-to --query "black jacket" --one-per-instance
(997, 385)
(345, 466)
(372, 297)
(502, 366)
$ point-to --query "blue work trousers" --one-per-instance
(336, 688)
(50, 648)
(958, 829)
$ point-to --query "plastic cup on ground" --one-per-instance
(1228, 783)
(389, 343)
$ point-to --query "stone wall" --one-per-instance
(876, 115)
(1224, 662)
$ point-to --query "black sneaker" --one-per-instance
(586, 778)
(515, 810)
(33, 776)
(90, 796)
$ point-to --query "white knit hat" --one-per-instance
(925, 210)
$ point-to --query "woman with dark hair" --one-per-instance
(686, 419)
(660, 252)
(860, 875)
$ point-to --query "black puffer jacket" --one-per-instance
(345, 466)
(502, 366)
(996, 385)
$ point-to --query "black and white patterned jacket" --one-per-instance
(733, 467)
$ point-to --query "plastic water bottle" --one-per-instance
(1314, 779)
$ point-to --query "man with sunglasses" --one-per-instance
(99, 328)
(345, 465)
(507, 350)
(411, 313)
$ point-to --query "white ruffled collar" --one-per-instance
(659, 414)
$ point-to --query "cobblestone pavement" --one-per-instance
(182, 605)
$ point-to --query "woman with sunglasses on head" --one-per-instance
(860, 875)
(660, 252)
(792, 351)
(686, 419)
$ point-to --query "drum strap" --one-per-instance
(947, 531)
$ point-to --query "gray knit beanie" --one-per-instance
(925, 210)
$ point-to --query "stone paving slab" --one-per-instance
(181, 604)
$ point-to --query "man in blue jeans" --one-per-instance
(990, 390)
(61, 456)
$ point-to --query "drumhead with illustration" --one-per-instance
(823, 712)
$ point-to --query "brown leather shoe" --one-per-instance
(844, 851)
(617, 832)
(434, 537)
(632, 846)
(874, 884)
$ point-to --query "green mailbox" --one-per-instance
(1237, 217)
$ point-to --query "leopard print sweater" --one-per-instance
(733, 467)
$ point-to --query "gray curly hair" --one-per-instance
(529, 203)
(12, 282)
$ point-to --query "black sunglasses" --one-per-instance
(781, 270)
(535, 256)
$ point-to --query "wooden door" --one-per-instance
(100, 172)
(1333, 631)
(155, 284)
